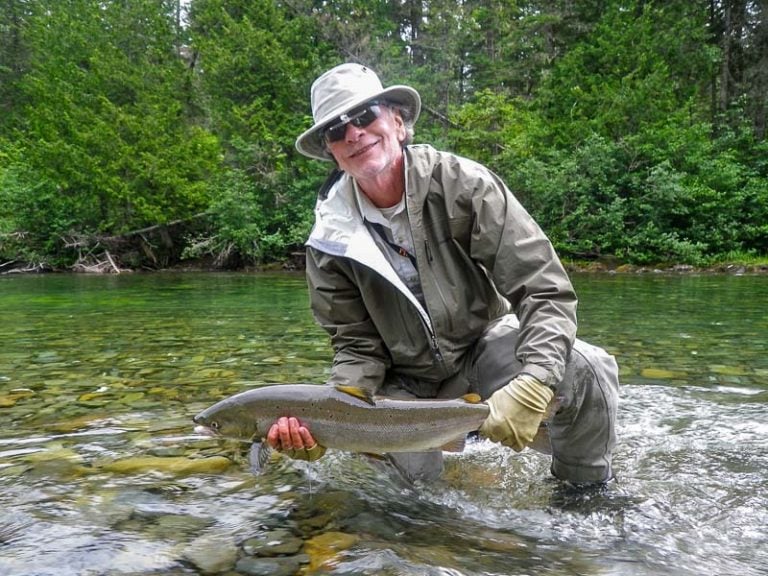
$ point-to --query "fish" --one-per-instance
(347, 418)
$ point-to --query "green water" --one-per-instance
(101, 473)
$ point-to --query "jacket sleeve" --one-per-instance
(526, 270)
(360, 357)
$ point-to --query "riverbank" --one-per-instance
(735, 268)
(110, 265)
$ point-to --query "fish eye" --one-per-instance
(214, 425)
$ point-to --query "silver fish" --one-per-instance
(347, 418)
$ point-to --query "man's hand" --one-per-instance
(516, 412)
(290, 437)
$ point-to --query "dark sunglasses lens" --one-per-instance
(361, 119)
(365, 117)
(336, 132)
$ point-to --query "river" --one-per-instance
(102, 474)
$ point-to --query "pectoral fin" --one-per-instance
(413, 466)
(259, 456)
(455, 445)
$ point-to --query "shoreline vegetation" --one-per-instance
(134, 137)
(176, 247)
(106, 262)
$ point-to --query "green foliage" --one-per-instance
(626, 164)
(103, 130)
(625, 76)
(254, 222)
(255, 68)
(608, 119)
(678, 204)
(576, 197)
(31, 215)
(496, 130)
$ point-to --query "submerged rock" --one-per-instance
(325, 550)
(661, 374)
(279, 566)
(273, 543)
(211, 554)
(171, 465)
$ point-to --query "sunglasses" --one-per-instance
(360, 118)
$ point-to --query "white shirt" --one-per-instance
(397, 228)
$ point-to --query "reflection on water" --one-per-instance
(100, 472)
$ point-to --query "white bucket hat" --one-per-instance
(342, 89)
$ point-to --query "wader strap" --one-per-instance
(330, 180)
(396, 247)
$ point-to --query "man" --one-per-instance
(433, 281)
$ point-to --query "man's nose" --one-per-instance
(353, 133)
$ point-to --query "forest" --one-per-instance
(142, 134)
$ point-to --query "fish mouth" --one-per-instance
(204, 430)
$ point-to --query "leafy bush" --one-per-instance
(253, 222)
(34, 215)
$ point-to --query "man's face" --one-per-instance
(367, 152)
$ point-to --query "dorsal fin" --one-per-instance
(358, 392)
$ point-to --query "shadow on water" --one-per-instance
(100, 473)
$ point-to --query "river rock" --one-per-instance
(279, 566)
(728, 370)
(211, 554)
(171, 465)
(273, 543)
(661, 374)
(324, 550)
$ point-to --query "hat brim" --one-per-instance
(311, 143)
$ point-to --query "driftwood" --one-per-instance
(151, 247)
(16, 267)
(96, 264)
(159, 228)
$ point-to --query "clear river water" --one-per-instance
(101, 472)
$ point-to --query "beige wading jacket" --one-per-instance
(479, 255)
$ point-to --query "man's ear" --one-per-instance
(402, 133)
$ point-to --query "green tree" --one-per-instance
(629, 127)
(14, 57)
(254, 60)
(104, 121)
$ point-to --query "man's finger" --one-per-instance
(293, 427)
(307, 437)
(284, 434)
(273, 436)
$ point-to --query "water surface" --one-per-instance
(100, 472)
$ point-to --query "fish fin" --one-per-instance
(358, 392)
(259, 456)
(455, 445)
(542, 442)
(374, 456)
(472, 398)
(417, 466)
